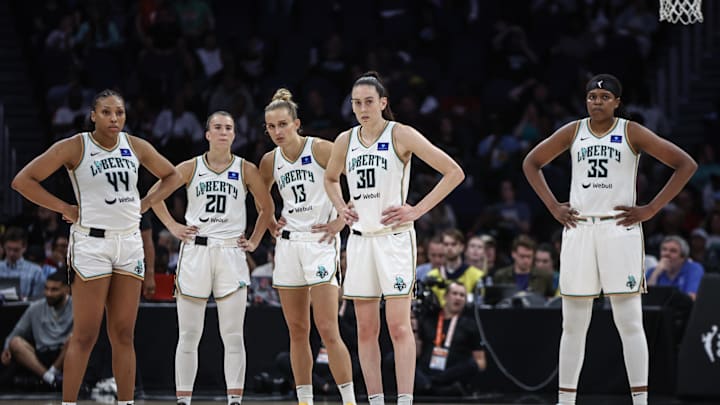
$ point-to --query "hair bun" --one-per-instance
(282, 94)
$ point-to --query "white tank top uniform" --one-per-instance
(212, 262)
(300, 260)
(106, 236)
(381, 259)
(598, 253)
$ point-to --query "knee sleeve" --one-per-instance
(231, 317)
(191, 318)
(627, 314)
(576, 319)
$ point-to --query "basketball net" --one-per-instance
(681, 11)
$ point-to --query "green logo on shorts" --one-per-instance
(631, 283)
(321, 272)
(140, 267)
(399, 283)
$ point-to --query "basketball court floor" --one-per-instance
(489, 399)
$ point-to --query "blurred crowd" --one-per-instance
(484, 81)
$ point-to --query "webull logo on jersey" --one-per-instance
(216, 186)
(596, 151)
(99, 166)
(295, 175)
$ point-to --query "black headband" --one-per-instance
(608, 83)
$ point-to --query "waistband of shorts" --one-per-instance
(103, 233)
(210, 241)
(301, 236)
(591, 219)
(384, 231)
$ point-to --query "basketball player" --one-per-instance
(602, 246)
(105, 250)
(375, 157)
(308, 246)
(212, 255)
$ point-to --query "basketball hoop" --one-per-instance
(681, 11)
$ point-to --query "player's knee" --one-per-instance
(188, 341)
(84, 341)
(299, 329)
(399, 329)
(234, 342)
(627, 325)
(368, 331)
(328, 331)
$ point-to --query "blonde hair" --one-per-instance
(283, 99)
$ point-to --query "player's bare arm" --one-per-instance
(542, 154)
(335, 167)
(68, 153)
(263, 203)
(160, 167)
(180, 231)
(644, 140)
(409, 141)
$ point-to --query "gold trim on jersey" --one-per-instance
(627, 139)
(117, 143)
(192, 175)
(577, 131)
(130, 145)
(587, 124)
(302, 149)
(315, 159)
(359, 135)
(207, 165)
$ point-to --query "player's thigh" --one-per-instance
(578, 262)
(621, 256)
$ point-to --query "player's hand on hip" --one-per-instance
(279, 225)
(245, 244)
(183, 232)
(330, 229)
(566, 215)
(633, 215)
(70, 214)
(395, 216)
(348, 214)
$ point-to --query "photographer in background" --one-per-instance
(450, 353)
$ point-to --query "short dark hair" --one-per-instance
(15, 234)
(104, 94)
(455, 234)
(524, 241)
(60, 275)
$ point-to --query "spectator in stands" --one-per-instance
(546, 262)
(522, 273)
(436, 257)
(451, 355)
(32, 279)
(454, 269)
(475, 253)
(514, 215)
(676, 268)
(38, 341)
(58, 254)
(36, 254)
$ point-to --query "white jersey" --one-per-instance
(376, 176)
(105, 184)
(216, 200)
(301, 186)
(604, 170)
